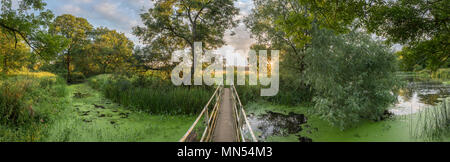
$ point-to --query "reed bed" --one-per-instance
(153, 95)
(433, 123)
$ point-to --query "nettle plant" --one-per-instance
(354, 77)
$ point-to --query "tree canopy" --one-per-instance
(110, 50)
(173, 25)
(76, 30)
(421, 25)
(29, 22)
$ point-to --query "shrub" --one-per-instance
(14, 107)
(353, 76)
(77, 77)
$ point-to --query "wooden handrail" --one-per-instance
(210, 120)
(244, 115)
(199, 117)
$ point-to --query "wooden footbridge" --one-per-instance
(224, 120)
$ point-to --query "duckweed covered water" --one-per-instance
(89, 117)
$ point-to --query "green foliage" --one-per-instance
(22, 99)
(354, 77)
(13, 55)
(433, 122)
(443, 74)
(292, 92)
(286, 25)
(151, 94)
(29, 22)
(91, 51)
(76, 30)
(173, 25)
(110, 51)
(421, 25)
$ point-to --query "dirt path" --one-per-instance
(225, 127)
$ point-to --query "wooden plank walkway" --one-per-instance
(225, 130)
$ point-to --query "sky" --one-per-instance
(123, 15)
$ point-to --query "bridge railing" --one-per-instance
(244, 129)
(209, 114)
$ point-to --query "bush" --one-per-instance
(353, 76)
(77, 77)
(14, 107)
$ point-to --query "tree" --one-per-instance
(13, 55)
(421, 25)
(173, 24)
(353, 75)
(286, 24)
(76, 30)
(28, 23)
(110, 50)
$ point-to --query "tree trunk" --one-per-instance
(69, 80)
(194, 32)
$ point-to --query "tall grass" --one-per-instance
(26, 104)
(434, 123)
(151, 94)
(291, 92)
(443, 74)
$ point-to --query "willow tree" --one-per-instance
(76, 31)
(287, 24)
(175, 24)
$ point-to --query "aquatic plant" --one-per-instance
(433, 123)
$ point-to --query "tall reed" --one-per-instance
(151, 94)
(433, 123)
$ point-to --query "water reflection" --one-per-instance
(419, 94)
(277, 124)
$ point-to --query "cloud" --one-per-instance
(238, 45)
